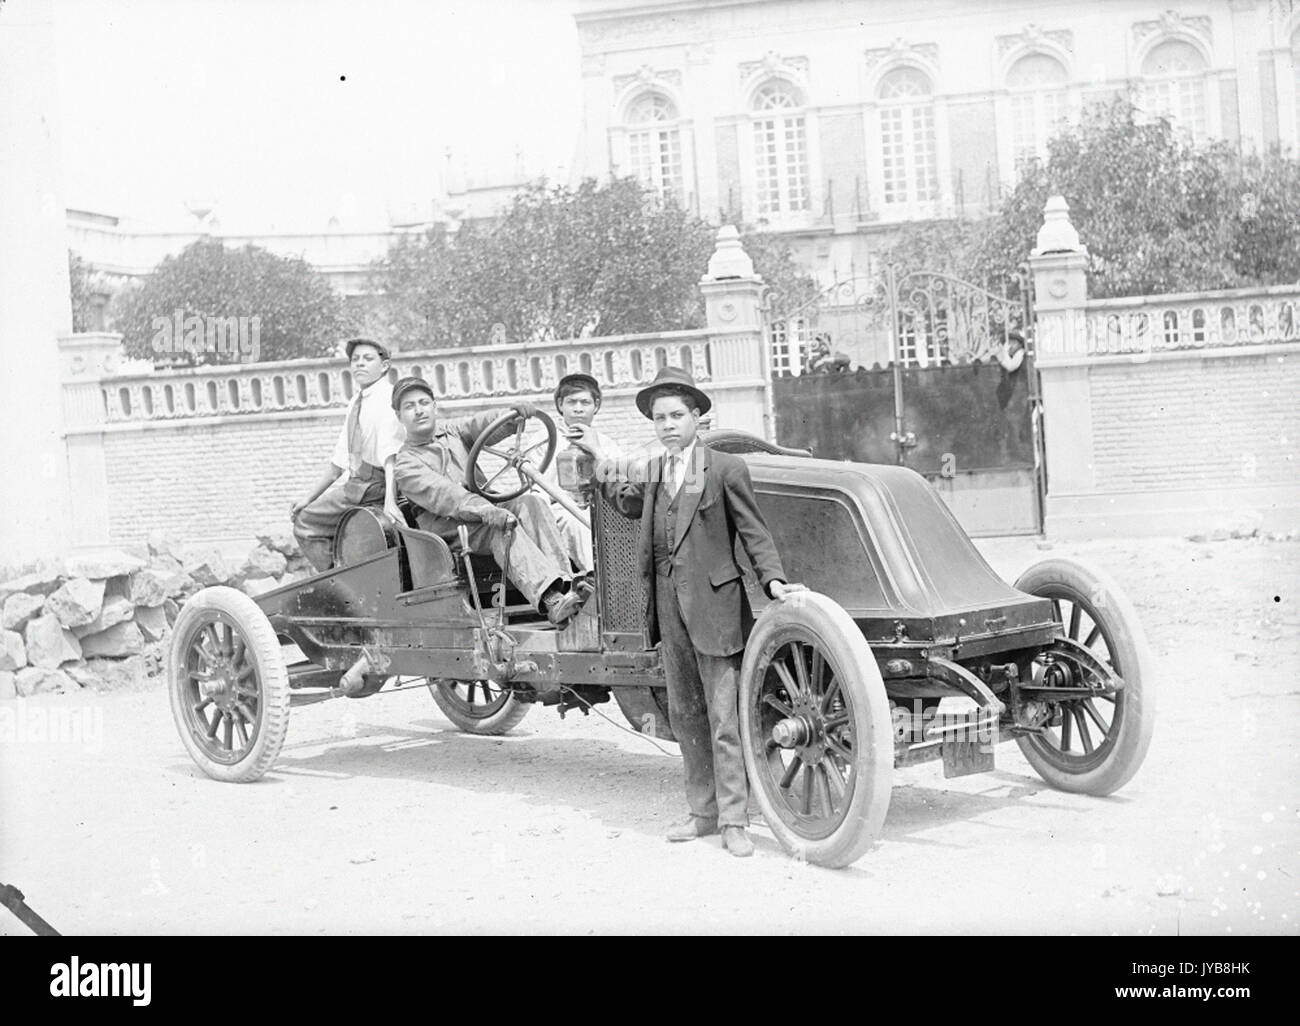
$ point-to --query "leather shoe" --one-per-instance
(561, 608)
(736, 841)
(692, 828)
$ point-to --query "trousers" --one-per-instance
(536, 551)
(315, 524)
(703, 711)
(576, 538)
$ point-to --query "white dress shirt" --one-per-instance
(379, 433)
(675, 467)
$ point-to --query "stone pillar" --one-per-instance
(35, 304)
(1059, 265)
(86, 360)
(741, 379)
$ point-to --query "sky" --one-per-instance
(285, 113)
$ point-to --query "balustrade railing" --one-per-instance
(482, 372)
(1208, 320)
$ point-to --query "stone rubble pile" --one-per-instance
(104, 621)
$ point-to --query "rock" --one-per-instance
(166, 564)
(258, 585)
(171, 610)
(300, 564)
(207, 568)
(77, 602)
(152, 622)
(155, 658)
(102, 565)
(114, 610)
(18, 609)
(8, 685)
(108, 674)
(290, 577)
(264, 562)
(163, 544)
(1199, 536)
(150, 587)
(121, 639)
(279, 540)
(39, 582)
(35, 680)
(13, 653)
(49, 643)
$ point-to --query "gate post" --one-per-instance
(87, 359)
(740, 373)
(1059, 264)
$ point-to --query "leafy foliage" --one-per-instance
(1156, 214)
(299, 314)
(79, 280)
(559, 263)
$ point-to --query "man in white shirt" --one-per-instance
(360, 471)
(577, 398)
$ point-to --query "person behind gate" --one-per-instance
(692, 505)
(360, 471)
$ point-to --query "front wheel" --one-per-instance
(478, 706)
(228, 685)
(815, 729)
(1093, 745)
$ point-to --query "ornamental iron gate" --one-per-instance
(936, 388)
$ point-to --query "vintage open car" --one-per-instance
(907, 648)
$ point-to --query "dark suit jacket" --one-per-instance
(717, 504)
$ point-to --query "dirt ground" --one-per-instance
(380, 817)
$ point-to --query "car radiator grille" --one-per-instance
(622, 597)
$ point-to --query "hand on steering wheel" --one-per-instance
(538, 455)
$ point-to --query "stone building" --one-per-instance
(834, 121)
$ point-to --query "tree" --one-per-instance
(297, 313)
(559, 263)
(81, 290)
(1157, 214)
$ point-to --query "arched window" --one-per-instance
(780, 149)
(1174, 86)
(907, 149)
(654, 144)
(1038, 105)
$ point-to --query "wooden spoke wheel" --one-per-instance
(228, 685)
(496, 485)
(1091, 745)
(478, 706)
(815, 729)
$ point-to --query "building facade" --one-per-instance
(834, 122)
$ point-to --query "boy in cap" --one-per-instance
(692, 507)
(361, 467)
(430, 469)
(577, 400)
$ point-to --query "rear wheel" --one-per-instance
(1092, 745)
(228, 685)
(478, 706)
(815, 729)
(646, 709)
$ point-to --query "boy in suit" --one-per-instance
(692, 506)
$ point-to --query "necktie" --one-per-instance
(674, 474)
(354, 435)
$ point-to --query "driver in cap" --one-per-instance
(430, 469)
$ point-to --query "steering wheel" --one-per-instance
(515, 457)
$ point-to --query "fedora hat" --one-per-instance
(675, 378)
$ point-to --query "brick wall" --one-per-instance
(1196, 422)
(229, 480)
